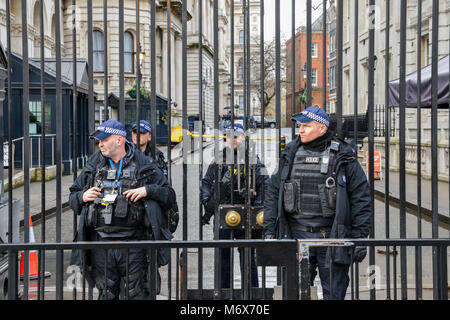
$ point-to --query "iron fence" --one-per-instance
(292, 256)
(439, 245)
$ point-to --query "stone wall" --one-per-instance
(411, 156)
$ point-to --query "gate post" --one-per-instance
(303, 256)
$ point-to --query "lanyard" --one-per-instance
(119, 171)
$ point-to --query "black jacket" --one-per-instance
(160, 197)
(159, 158)
(208, 180)
(161, 163)
(353, 204)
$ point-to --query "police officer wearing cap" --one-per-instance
(322, 192)
(145, 131)
(120, 196)
(145, 138)
(211, 200)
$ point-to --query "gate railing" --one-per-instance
(363, 89)
(291, 256)
(276, 253)
(34, 151)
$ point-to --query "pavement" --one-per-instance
(69, 221)
(411, 194)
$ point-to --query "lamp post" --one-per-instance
(204, 87)
(303, 75)
(141, 61)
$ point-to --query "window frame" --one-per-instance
(314, 77)
(315, 53)
(132, 52)
(95, 50)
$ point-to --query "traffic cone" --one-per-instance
(33, 264)
(376, 175)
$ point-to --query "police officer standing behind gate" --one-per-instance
(323, 193)
(211, 200)
(120, 196)
(145, 131)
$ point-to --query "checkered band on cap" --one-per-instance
(315, 117)
(112, 131)
(146, 127)
(143, 125)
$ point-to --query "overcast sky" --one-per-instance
(285, 16)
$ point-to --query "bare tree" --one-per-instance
(269, 69)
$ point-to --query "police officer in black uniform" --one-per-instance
(323, 193)
(145, 138)
(211, 200)
(120, 196)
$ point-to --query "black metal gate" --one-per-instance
(285, 255)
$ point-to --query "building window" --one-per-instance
(241, 37)
(332, 44)
(241, 102)
(36, 117)
(99, 52)
(314, 50)
(314, 77)
(332, 77)
(241, 69)
(128, 52)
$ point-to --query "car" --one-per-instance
(239, 121)
(267, 122)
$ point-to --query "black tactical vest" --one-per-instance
(239, 184)
(112, 212)
(311, 191)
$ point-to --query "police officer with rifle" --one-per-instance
(120, 196)
(231, 197)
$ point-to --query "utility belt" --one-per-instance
(310, 229)
(138, 235)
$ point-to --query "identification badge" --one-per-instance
(111, 175)
(110, 198)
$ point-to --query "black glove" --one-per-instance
(359, 253)
(269, 236)
(210, 207)
(206, 217)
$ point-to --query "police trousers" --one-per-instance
(339, 280)
(226, 259)
(110, 273)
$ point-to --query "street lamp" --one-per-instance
(141, 56)
(303, 72)
(141, 61)
(204, 87)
